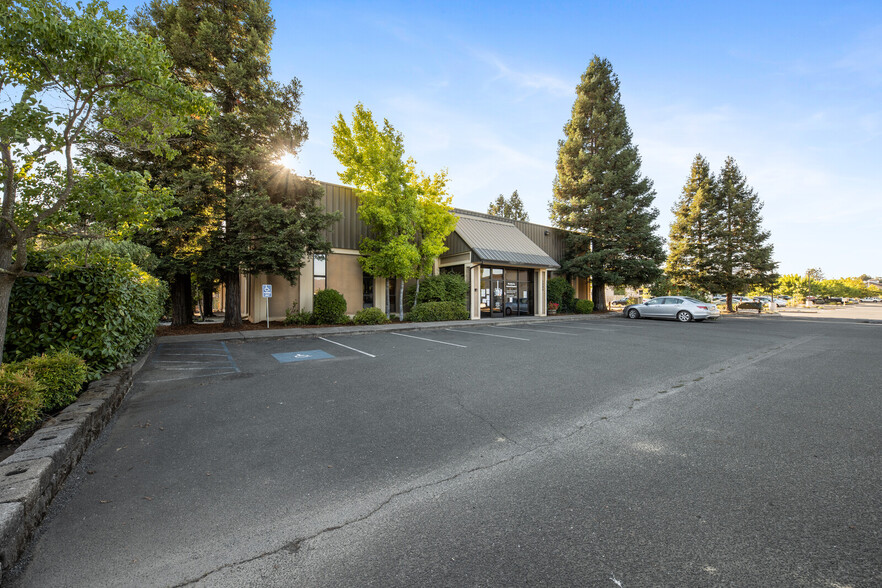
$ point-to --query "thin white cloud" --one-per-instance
(533, 81)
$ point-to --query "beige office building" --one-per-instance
(506, 263)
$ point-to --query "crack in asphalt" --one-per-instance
(293, 547)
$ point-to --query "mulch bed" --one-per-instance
(213, 327)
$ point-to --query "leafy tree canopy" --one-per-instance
(69, 76)
(408, 213)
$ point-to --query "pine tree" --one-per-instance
(743, 258)
(599, 193)
(691, 248)
(222, 49)
(511, 208)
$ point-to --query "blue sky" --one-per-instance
(791, 90)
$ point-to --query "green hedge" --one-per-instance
(441, 288)
(20, 401)
(583, 306)
(102, 308)
(437, 311)
(561, 291)
(370, 316)
(61, 374)
(329, 308)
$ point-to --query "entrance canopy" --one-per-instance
(500, 242)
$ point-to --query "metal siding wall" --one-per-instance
(349, 230)
(553, 244)
(455, 245)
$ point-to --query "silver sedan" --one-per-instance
(681, 308)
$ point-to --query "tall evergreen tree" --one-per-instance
(511, 208)
(691, 247)
(222, 49)
(743, 259)
(599, 193)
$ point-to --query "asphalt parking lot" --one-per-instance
(579, 453)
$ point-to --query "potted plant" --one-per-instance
(552, 307)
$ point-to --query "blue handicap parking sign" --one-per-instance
(302, 356)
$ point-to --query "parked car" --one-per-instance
(681, 308)
(868, 299)
(620, 302)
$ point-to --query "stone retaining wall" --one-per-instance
(32, 476)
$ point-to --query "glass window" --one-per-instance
(319, 273)
(670, 300)
(368, 289)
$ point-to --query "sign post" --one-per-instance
(267, 294)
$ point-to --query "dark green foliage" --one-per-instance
(329, 308)
(583, 306)
(105, 311)
(692, 249)
(743, 258)
(298, 317)
(20, 401)
(370, 316)
(441, 288)
(61, 374)
(512, 208)
(438, 311)
(599, 193)
(561, 291)
(242, 211)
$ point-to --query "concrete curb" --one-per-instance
(32, 476)
(299, 333)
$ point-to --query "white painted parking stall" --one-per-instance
(181, 361)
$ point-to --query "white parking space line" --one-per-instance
(584, 328)
(188, 377)
(348, 347)
(431, 340)
(197, 354)
(487, 334)
(536, 331)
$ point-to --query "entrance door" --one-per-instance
(506, 292)
(497, 291)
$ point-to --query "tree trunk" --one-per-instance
(182, 300)
(208, 301)
(233, 310)
(729, 301)
(401, 301)
(6, 282)
(598, 294)
(416, 296)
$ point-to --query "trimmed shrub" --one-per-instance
(102, 308)
(297, 317)
(441, 288)
(61, 374)
(20, 401)
(561, 291)
(438, 311)
(329, 308)
(370, 316)
(583, 306)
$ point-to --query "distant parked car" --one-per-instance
(868, 299)
(681, 308)
(620, 302)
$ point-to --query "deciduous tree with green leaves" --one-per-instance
(691, 248)
(511, 208)
(68, 76)
(408, 213)
(599, 193)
